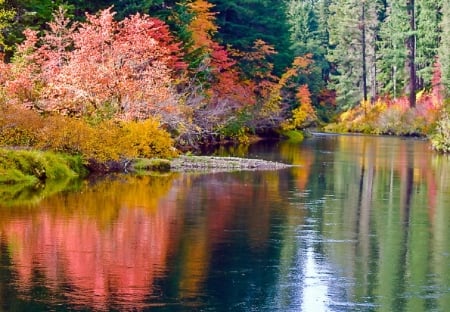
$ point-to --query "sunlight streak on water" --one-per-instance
(315, 288)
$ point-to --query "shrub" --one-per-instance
(108, 140)
(387, 117)
(146, 139)
(104, 141)
(440, 139)
(18, 126)
(29, 167)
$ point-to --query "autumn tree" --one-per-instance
(202, 25)
(216, 93)
(303, 114)
(102, 68)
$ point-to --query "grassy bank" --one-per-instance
(32, 167)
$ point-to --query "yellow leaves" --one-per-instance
(272, 106)
(345, 116)
(107, 140)
(147, 139)
(304, 115)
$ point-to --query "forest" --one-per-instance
(113, 79)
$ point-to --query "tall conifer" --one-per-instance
(444, 50)
(428, 33)
(353, 25)
(392, 53)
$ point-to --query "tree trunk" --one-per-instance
(412, 54)
(364, 52)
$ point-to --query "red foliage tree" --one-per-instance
(122, 68)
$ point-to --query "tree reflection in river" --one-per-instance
(361, 225)
(110, 240)
(376, 222)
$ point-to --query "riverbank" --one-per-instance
(30, 167)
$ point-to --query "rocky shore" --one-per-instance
(214, 163)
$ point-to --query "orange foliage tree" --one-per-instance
(217, 93)
(202, 25)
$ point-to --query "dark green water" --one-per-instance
(363, 224)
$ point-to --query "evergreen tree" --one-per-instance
(411, 47)
(392, 53)
(303, 26)
(444, 50)
(242, 22)
(308, 38)
(428, 19)
(123, 8)
(353, 26)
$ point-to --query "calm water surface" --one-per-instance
(362, 224)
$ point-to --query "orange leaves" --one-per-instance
(303, 95)
(305, 114)
(303, 62)
(203, 25)
(299, 65)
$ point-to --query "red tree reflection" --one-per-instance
(103, 264)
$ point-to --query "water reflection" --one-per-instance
(106, 244)
(384, 197)
(362, 224)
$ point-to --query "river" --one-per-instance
(361, 224)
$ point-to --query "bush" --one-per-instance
(440, 139)
(105, 141)
(146, 139)
(30, 167)
(18, 126)
(393, 118)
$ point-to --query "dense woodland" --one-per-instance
(192, 71)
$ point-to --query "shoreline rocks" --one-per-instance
(214, 163)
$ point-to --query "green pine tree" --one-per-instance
(244, 21)
(308, 37)
(428, 19)
(352, 29)
(444, 49)
(392, 75)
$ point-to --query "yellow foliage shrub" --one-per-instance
(302, 117)
(18, 126)
(146, 139)
(102, 142)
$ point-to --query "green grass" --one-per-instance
(154, 164)
(296, 136)
(32, 167)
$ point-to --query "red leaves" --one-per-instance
(124, 67)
